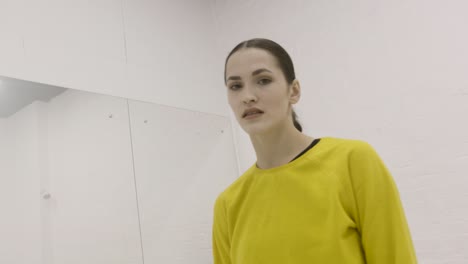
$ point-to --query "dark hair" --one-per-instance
(282, 57)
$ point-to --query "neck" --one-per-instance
(279, 146)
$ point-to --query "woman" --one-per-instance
(306, 200)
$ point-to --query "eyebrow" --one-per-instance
(256, 72)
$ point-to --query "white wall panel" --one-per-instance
(183, 160)
(171, 54)
(93, 205)
(67, 30)
(4, 146)
(11, 38)
(10, 214)
(75, 44)
(20, 206)
(166, 33)
(157, 51)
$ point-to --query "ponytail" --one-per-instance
(296, 123)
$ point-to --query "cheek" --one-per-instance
(277, 100)
(279, 107)
(232, 102)
(229, 98)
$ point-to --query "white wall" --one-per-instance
(183, 160)
(19, 188)
(3, 143)
(92, 212)
(393, 73)
(9, 215)
(105, 155)
(156, 51)
(130, 182)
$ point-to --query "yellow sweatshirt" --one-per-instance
(335, 204)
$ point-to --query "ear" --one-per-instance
(294, 92)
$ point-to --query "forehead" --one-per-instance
(248, 60)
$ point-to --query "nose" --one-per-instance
(248, 95)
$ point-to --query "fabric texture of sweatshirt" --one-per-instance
(335, 203)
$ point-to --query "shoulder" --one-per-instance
(236, 188)
(345, 147)
(359, 152)
(349, 143)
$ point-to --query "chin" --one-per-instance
(255, 129)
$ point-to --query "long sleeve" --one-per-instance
(221, 244)
(385, 234)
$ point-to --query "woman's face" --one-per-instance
(254, 80)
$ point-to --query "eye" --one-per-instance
(234, 86)
(264, 81)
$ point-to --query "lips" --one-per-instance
(252, 111)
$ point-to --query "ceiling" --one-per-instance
(16, 94)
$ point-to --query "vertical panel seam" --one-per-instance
(134, 180)
(124, 32)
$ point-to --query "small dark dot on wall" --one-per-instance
(146, 121)
(222, 131)
(110, 116)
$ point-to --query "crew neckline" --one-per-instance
(312, 147)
